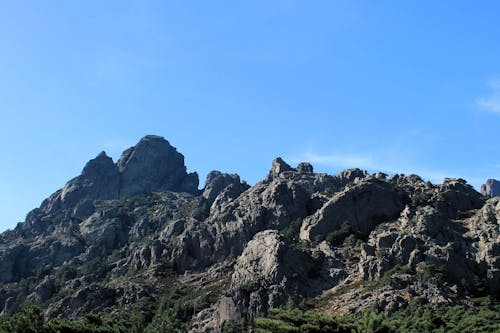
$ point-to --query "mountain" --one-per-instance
(491, 188)
(137, 239)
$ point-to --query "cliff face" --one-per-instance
(119, 235)
(491, 188)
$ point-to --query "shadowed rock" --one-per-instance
(99, 180)
(119, 234)
(277, 168)
(362, 207)
(491, 188)
(218, 182)
(154, 165)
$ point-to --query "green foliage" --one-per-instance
(338, 236)
(291, 231)
(421, 199)
(91, 323)
(351, 241)
(351, 246)
(373, 322)
(169, 315)
(176, 308)
(94, 265)
(30, 320)
(114, 256)
(295, 320)
(67, 272)
(165, 321)
(195, 209)
(232, 326)
(483, 316)
(430, 270)
(381, 252)
(386, 277)
(137, 323)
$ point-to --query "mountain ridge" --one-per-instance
(119, 235)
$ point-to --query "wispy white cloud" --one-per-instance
(388, 163)
(491, 102)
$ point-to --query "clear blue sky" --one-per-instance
(398, 86)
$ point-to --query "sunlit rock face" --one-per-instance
(123, 234)
(153, 165)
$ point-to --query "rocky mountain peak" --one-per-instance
(97, 165)
(350, 175)
(150, 166)
(305, 167)
(99, 180)
(218, 183)
(120, 235)
(154, 165)
(491, 188)
(278, 166)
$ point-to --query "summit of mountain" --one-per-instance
(122, 236)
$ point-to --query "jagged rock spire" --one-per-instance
(491, 188)
(154, 165)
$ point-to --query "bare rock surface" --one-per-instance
(491, 188)
(361, 206)
(121, 235)
(154, 165)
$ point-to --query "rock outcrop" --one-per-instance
(120, 235)
(100, 180)
(362, 207)
(491, 188)
(259, 280)
(222, 187)
(278, 166)
(153, 165)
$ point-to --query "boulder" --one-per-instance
(217, 182)
(260, 279)
(458, 196)
(278, 166)
(362, 207)
(305, 167)
(349, 175)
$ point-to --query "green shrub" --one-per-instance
(295, 320)
(291, 231)
(338, 236)
(482, 317)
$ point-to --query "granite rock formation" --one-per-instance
(153, 165)
(121, 235)
(491, 188)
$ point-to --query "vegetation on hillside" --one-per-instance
(482, 316)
